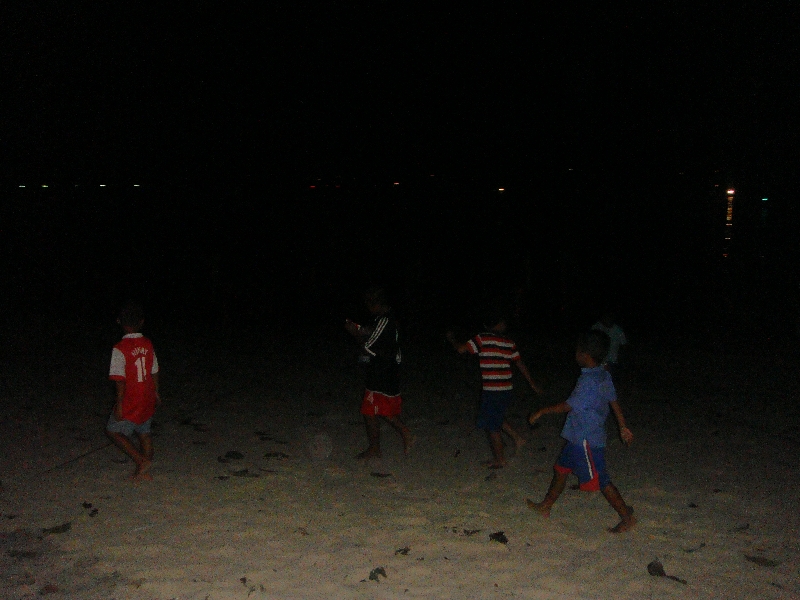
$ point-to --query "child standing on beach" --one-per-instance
(381, 345)
(585, 431)
(134, 369)
(496, 353)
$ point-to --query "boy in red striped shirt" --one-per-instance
(496, 353)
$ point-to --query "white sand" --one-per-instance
(712, 474)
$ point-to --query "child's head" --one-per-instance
(592, 348)
(494, 318)
(376, 300)
(608, 318)
(131, 316)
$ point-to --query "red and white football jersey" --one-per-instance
(133, 360)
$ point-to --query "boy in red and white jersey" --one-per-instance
(134, 369)
(496, 352)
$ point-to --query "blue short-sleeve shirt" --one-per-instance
(589, 403)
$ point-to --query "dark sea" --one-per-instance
(295, 257)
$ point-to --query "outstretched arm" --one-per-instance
(460, 348)
(561, 407)
(526, 374)
(625, 433)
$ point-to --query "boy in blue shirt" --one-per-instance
(585, 432)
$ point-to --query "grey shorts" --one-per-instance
(127, 428)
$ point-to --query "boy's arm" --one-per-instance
(625, 433)
(118, 403)
(526, 374)
(561, 407)
(155, 383)
(353, 329)
(460, 348)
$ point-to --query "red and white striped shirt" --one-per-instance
(495, 353)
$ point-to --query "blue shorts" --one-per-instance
(493, 409)
(589, 464)
(127, 428)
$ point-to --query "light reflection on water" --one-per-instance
(728, 224)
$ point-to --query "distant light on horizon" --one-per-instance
(22, 186)
(731, 191)
(102, 185)
(136, 185)
(501, 189)
(45, 185)
(764, 199)
(397, 183)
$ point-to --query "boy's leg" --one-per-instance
(623, 510)
(519, 441)
(146, 442)
(124, 443)
(557, 486)
(496, 443)
(404, 431)
(373, 428)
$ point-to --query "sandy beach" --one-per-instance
(256, 492)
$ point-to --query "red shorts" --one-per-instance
(375, 403)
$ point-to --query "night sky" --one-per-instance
(609, 127)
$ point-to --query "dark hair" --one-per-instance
(494, 313)
(377, 295)
(131, 314)
(595, 344)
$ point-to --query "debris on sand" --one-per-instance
(280, 455)
(380, 475)
(498, 536)
(761, 561)
(373, 575)
(63, 528)
(403, 551)
(243, 473)
(656, 569)
(229, 456)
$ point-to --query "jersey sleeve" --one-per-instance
(154, 369)
(117, 370)
(380, 326)
(515, 353)
(473, 345)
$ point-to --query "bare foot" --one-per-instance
(626, 524)
(369, 453)
(541, 507)
(142, 472)
(409, 439)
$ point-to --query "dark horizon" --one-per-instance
(559, 251)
